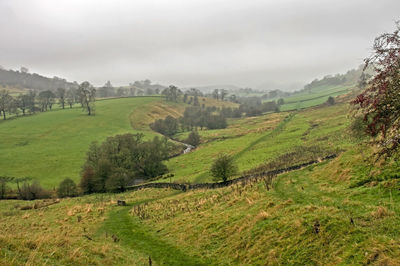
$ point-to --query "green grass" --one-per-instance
(322, 127)
(238, 225)
(51, 146)
(251, 225)
(314, 97)
(134, 234)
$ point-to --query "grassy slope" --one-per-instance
(51, 146)
(235, 225)
(263, 138)
(314, 97)
(250, 225)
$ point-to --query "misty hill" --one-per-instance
(24, 80)
(351, 77)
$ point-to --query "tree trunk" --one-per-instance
(4, 115)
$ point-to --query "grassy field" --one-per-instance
(341, 211)
(250, 225)
(254, 141)
(314, 97)
(243, 224)
(51, 146)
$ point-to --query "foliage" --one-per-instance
(168, 126)
(67, 188)
(6, 102)
(3, 185)
(46, 100)
(119, 160)
(87, 97)
(331, 100)
(223, 167)
(172, 93)
(193, 138)
(379, 103)
(31, 190)
(253, 106)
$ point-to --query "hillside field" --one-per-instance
(339, 211)
(313, 97)
(51, 146)
(315, 132)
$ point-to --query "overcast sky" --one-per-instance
(261, 44)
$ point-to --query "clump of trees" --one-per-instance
(117, 162)
(168, 126)
(253, 106)
(379, 103)
(223, 168)
(193, 117)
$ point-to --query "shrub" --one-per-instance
(331, 100)
(67, 188)
(193, 138)
(223, 167)
(32, 191)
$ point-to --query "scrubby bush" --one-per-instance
(223, 168)
(331, 100)
(193, 138)
(33, 190)
(67, 188)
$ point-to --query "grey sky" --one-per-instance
(261, 44)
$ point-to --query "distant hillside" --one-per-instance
(351, 77)
(24, 80)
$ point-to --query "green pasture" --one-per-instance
(51, 146)
(322, 127)
(314, 97)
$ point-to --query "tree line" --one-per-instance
(43, 101)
